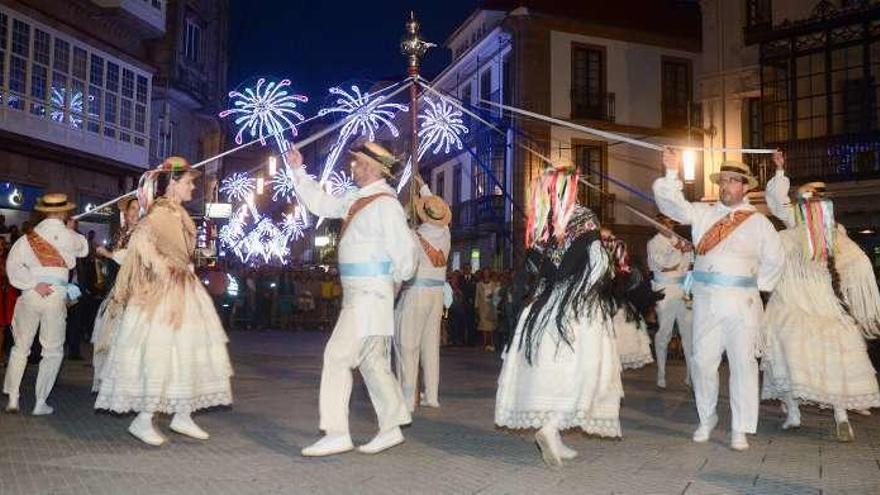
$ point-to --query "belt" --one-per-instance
(427, 282)
(668, 279)
(370, 269)
(73, 292)
(724, 280)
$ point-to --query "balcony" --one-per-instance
(142, 15)
(485, 213)
(592, 106)
(838, 158)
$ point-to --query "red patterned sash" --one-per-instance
(438, 259)
(46, 253)
(721, 229)
(357, 206)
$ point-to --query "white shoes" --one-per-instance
(384, 440)
(183, 424)
(845, 432)
(12, 405)
(661, 382)
(427, 403)
(329, 445)
(705, 430)
(142, 428)
(738, 441)
(42, 409)
(566, 453)
(551, 446)
(792, 420)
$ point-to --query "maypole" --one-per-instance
(414, 48)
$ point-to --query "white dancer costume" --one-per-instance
(736, 263)
(46, 257)
(557, 378)
(100, 337)
(419, 312)
(633, 342)
(376, 251)
(816, 351)
(669, 266)
(167, 347)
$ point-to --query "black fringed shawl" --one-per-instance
(564, 294)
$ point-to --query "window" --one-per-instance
(53, 77)
(587, 81)
(440, 184)
(164, 138)
(467, 101)
(487, 165)
(591, 161)
(192, 40)
(506, 81)
(758, 13)
(486, 85)
(456, 184)
(677, 85)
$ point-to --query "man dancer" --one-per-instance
(738, 254)
(420, 310)
(377, 252)
(669, 259)
(39, 265)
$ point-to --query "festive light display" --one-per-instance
(59, 103)
(441, 127)
(339, 184)
(265, 111)
(237, 187)
(364, 114)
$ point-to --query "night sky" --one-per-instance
(321, 44)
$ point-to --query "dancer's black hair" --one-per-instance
(565, 294)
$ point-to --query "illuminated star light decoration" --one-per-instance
(364, 115)
(238, 186)
(267, 110)
(441, 126)
(59, 103)
(283, 185)
(340, 183)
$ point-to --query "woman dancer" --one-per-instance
(562, 369)
(168, 352)
(129, 214)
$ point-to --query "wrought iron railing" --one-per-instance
(831, 159)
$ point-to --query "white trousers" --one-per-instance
(34, 312)
(726, 321)
(672, 309)
(345, 351)
(417, 326)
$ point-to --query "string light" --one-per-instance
(265, 110)
(340, 183)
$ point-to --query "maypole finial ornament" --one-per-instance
(413, 46)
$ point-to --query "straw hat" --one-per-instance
(811, 190)
(54, 202)
(433, 210)
(735, 168)
(375, 153)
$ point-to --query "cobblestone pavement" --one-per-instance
(255, 444)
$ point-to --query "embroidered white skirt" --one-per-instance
(633, 342)
(577, 385)
(154, 367)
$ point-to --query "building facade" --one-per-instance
(560, 59)
(801, 76)
(80, 99)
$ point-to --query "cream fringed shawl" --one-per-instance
(156, 273)
(858, 284)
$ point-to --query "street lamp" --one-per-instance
(273, 166)
(322, 241)
(689, 161)
(261, 185)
